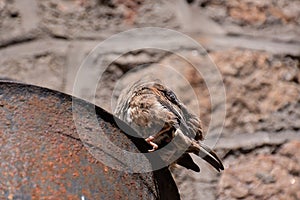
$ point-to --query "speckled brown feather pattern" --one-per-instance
(158, 116)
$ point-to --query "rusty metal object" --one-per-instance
(42, 156)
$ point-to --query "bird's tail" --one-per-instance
(207, 154)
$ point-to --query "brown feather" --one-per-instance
(158, 115)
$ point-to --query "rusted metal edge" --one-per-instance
(164, 181)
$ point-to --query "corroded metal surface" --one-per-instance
(42, 156)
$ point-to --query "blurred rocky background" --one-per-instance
(254, 44)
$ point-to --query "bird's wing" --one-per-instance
(186, 161)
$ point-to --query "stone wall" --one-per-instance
(254, 44)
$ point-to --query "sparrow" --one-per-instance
(156, 113)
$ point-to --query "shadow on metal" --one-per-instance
(42, 156)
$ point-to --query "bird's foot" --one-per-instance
(154, 145)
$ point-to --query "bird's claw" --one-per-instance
(149, 141)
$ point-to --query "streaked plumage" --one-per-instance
(158, 116)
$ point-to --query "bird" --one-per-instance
(159, 117)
